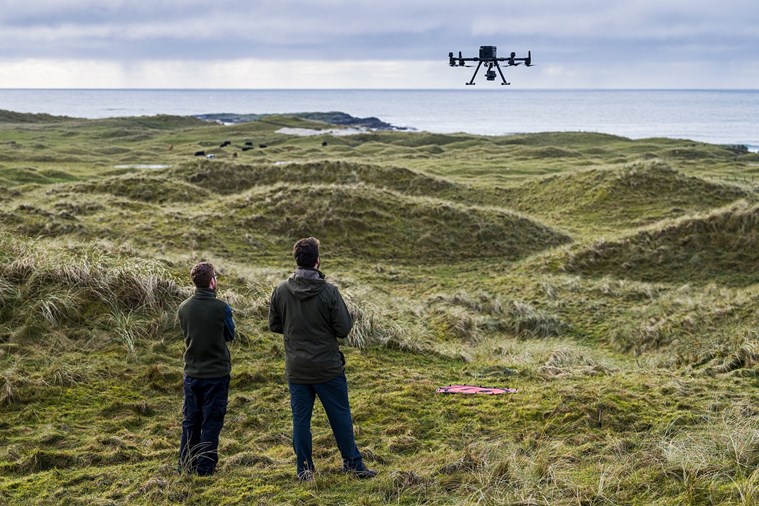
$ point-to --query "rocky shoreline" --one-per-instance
(333, 118)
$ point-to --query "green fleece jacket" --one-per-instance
(207, 326)
(312, 316)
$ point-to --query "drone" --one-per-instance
(488, 55)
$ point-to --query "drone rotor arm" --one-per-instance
(460, 61)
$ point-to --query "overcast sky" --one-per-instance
(375, 43)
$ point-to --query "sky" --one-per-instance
(281, 44)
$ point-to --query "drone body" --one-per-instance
(488, 55)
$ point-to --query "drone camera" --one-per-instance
(487, 52)
(490, 75)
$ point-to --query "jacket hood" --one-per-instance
(204, 293)
(304, 288)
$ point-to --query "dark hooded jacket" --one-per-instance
(312, 315)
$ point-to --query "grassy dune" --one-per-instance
(623, 197)
(612, 282)
(720, 246)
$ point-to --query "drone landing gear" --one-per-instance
(503, 79)
(490, 74)
(471, 82)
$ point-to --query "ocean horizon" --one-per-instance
(721, 116)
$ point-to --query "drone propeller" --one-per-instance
(528, 60)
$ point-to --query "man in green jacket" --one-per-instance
(207, 325)
(312, 315)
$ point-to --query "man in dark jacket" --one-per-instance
(312, 315)
(207, 325)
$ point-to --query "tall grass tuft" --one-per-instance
(63, 375)
(745, 354)
(8, 291)
(724, 444)
(568, 361)
(70, 286)
(10, 382)
(125, 325)
(473, 317)
(374, 325)
(57, 309)
(406, 483)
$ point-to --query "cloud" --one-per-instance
(268, 74)
(581, 37)
(230, 74)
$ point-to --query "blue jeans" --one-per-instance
(333, 395)
(205, 405)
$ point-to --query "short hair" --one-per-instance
(306, 252)
(202, 274)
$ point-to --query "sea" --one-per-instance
(729, 117)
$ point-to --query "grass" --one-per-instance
(611, 282)
(700, 248)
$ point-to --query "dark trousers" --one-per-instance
(333, 395)
(205, 404)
